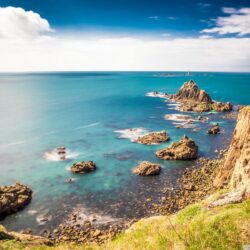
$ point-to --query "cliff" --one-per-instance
(235, 173)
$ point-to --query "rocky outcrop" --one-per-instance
(13, 198)
(154, 138)
(24, 238)
(185, 149)
(194, 99)
(147, 168)
(235, 173)
(83, 167)
(214, 130)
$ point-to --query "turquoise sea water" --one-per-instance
(81, 111)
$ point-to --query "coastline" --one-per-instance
(194, 185)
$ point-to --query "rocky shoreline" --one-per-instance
(195, 184)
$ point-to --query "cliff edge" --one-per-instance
(235, 172)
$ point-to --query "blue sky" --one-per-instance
(81, 35)
(177, 17)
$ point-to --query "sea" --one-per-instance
(92, 114)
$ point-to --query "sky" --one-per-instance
(156, 35)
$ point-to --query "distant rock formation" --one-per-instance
(83, 167)
(153, 138)
(214, 130)
(236, 170)
(185, 149)
(147, 168)
(194, 99)
(13, 198)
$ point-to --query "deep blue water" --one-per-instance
(81, 111)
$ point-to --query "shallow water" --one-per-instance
(81, 111)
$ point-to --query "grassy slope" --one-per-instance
(195, 227)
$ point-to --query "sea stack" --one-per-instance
(194, 99)
(185, 149)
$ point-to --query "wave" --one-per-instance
(87, 126)
(132, 133)
(179, 117)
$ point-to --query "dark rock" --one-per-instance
(83, 167)
(13, 198)
(214, 130)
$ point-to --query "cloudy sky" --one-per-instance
(183, 35)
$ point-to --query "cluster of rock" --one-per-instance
(185, 149)
(195, 184)
(13, 198)
(194, 99)
(153, 138)
(147, 168)
(214, 130)
(83, 167)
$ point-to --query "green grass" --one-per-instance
(195, 227)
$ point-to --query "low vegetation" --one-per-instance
(195, 227)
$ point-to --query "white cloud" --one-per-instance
(204, 54)
(76, 52)
(238, 22)
(18, 23)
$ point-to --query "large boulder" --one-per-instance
(147, 168)
(194, 99)
(185, 149)
(153, 138)
(214, 130)
(13, 198)
(83, 167)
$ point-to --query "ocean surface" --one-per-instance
(82, 111)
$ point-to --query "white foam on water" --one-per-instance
(132, 133)
(54, 156)
(43, 219)
(156, 94)
(83, 215)
(179, 117)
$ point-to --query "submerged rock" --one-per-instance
(185, 149)
(154, 138)
(194, 99)
(83, 167)
(214, 130)
(13, 198)
(147, 168)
